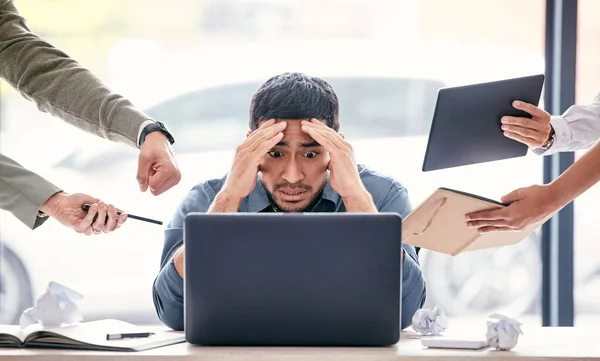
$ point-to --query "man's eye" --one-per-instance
(275, 154)
(310, 154)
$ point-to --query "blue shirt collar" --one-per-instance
(258, 199)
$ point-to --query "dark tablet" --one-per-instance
(466, 126)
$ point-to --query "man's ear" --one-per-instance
(248, 134)
(342, 135)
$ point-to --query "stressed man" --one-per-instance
(293, 160)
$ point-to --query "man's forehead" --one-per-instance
(278, 120)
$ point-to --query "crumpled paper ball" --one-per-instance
(430, 321)
(56, 307)
(503, 334)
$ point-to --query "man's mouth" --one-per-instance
(291, 195)
(293, 192)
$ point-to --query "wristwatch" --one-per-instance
(156, 127)
(550, 142)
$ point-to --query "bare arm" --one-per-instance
(578, 178)
(360, 202)
(533, 204)
(225, 203)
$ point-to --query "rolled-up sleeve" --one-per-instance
(167, 289)
(413, 284)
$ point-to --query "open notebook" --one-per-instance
(438, 224)
(87, 336)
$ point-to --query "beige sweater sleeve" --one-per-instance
(22, 192)
(59, 85)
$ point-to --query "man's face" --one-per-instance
(295, 171)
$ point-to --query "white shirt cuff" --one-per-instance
(561, 135)
(144, 124)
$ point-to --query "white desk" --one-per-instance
(537, 343)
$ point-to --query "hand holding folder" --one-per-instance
(438, 224)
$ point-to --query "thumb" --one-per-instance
(513, 196)
(143, 172)
(80, 199)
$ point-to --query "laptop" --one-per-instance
(292, 279)
(466, 127)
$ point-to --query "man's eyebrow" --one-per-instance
(314, 143)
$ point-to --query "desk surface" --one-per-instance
(537, 343)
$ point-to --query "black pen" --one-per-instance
(118, 336)
(149, 220)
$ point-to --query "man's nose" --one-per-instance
(293, 172)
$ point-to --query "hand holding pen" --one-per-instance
(132, 216)
(66, 209)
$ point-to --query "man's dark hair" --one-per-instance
(295, 96)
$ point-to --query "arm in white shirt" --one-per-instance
(577, 129)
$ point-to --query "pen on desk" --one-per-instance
(118, 336)
(133, 216)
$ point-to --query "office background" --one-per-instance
(195, 63)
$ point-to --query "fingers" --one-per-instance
(100, 218)
(523, 128)
(495, 229)
(164, 178)
(268, 144)
(326, 136)
(157, 171)
(85, 225)
(335, 137)
(521, 122)
(159, 181)
(530, 142)
(114, 220)
(487, 223)
(84, 198)
(111, 223)
(529, 108)
(513, 196)
(267, 134)
(320, 138)
(99, 224)
(122, 218)
(535, 133)
(143, 171)
(256, 133)
(487, 215)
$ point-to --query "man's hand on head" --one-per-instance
(248, 156)
(343, 176)
(535, 132)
